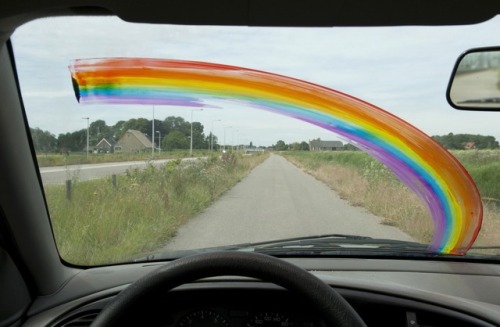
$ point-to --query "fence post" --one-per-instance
(68, 189)
(113, 180)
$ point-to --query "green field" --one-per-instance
(103, 223)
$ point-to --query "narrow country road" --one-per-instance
(278, 200)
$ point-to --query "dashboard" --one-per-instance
(260, 304)
(229, 305)
(412, 293)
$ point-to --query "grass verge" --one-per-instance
(105, 224)
(363, 181)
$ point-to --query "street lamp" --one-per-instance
(191, 141)
(212, 134)
(159, 141)
(153, 134)
(225, 136)
(88, 126)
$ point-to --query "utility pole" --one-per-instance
(153, 133)
(88, 127)
(159, 142)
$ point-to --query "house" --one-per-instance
(133, 141)
(320, 145)
(470, 146)
(106, 145)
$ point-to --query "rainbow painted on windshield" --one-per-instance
(419, 162)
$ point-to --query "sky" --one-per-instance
(404, 70)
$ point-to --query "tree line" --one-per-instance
(296, 146)
(450, 141)
(466, 141)
(170, 133)
(304, 146)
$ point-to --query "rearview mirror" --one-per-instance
(475, 81)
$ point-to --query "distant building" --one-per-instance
(470, 146)
(320, 145)
(133, 141)
(106, 145)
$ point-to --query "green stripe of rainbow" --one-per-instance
(422, 164)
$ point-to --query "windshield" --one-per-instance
(159, 141)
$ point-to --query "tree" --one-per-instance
(76, 141)
(99, 130)
(175, 140)
(295, 146)
(304, 146)
(173, 123)
(466, 141)
(118, 129)
(140, 124)
(350, 147)
(209, 139)
(158, 128)
(199, 140)
(43, 141)
(280, 146)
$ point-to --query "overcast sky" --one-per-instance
(404, 70)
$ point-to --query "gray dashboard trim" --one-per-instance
(428, 281)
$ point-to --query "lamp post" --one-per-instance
(153, 133)
(212, 135)
(225, 136)
(159, 142)
(88, 126)
(191, 141)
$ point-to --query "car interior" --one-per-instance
(221, 286)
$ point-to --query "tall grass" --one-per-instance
(363, 181)
(484, 168)
(104, 224)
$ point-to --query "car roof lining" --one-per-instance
(317, 13)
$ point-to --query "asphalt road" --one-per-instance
(278, 200)
(58, 175)
(476, 85)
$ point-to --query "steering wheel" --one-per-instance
(334, 310)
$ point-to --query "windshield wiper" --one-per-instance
(168, 255)
(172, 255)
(325, 245)
(345, 245)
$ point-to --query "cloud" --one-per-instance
(402, 69)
